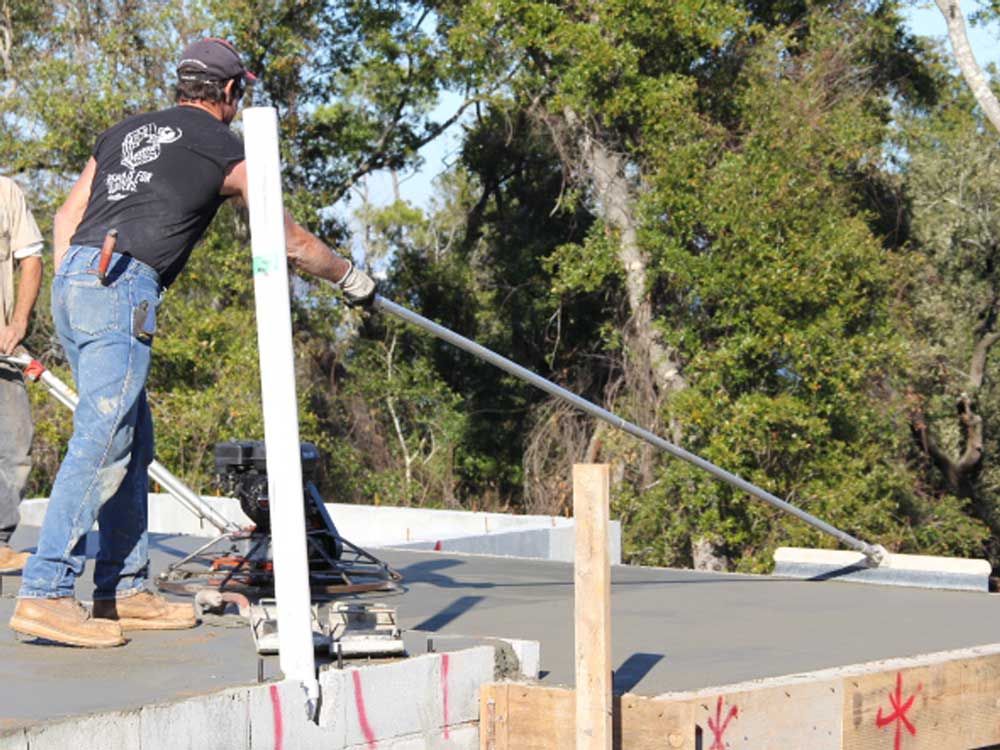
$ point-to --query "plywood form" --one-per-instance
(527, 717)
(794, 716)
(952, 706)
(924, 703)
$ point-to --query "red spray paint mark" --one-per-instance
(437, 546)
(718, 726)
(279, 727)
(359, 702)
(899, 711)
(445, 663)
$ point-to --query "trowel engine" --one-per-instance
(240, 563)
(241, 472)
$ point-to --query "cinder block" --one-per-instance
(335, 699)
(562, 543)
(219, 721)
(393, 700)
(14, 739)
(416, 696)
(115, 730)
(464, 737)
(467, 671)
(278, 717)
(515, 659)
(529, 656)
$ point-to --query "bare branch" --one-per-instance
(972, 425)
(381, 158)
(977, 369)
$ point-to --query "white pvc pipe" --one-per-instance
(281, 423)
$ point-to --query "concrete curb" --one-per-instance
(498, 534)
(429, 701)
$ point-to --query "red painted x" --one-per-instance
(718, 727)
(898, 715)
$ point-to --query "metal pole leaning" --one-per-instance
(35, 370)
(874, 553)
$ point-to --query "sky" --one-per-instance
(417, 187)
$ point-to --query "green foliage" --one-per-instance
(951, 183)
(812, 289)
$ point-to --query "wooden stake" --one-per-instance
(592, 606)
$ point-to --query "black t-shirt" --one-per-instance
(157, 182)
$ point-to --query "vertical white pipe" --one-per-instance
(281, 423)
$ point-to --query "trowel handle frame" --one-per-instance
(36, 371)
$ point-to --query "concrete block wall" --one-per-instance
(535, 537)
(553, 543)
(429, 701)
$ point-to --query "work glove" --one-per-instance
(357, 287)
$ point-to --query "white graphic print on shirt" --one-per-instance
(139, 147)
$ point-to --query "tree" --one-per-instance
(965, 58)
(352, 83)
(951, 180)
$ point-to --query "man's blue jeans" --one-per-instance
(103, 475)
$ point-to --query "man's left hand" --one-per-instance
(11, 336)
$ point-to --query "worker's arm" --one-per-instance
(306, 251)
(70, 214)
(27, 292)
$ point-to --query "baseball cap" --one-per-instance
(212, 58)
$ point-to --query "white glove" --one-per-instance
(357, 286)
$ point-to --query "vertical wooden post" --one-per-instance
(592, 606)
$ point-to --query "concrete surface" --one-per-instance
(681, 630)
(672, 630)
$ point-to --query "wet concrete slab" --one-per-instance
(672, 630)
(682, 630)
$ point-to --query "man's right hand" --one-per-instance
(11, 336)
(358, 287)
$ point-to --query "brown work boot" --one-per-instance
(11, 561)
(146, 611)
(64, 620)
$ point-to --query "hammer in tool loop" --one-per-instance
(110, 240)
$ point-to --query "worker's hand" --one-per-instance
(11, 336)
(358, 287)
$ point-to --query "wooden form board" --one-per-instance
(955, 706)
(592, 606)
(804, 716)
(528, 717)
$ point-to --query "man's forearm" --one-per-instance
(63, 228)
(27, 292)
(27, 289)
(310, 254)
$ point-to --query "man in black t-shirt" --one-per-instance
(149, 191)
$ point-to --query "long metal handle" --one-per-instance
(874, 553)
(157, 471)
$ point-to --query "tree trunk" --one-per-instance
(960, 474)
(656, 369)
(973, 74)
(616, 206)
(706, 556)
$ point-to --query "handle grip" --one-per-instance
(110, 240)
